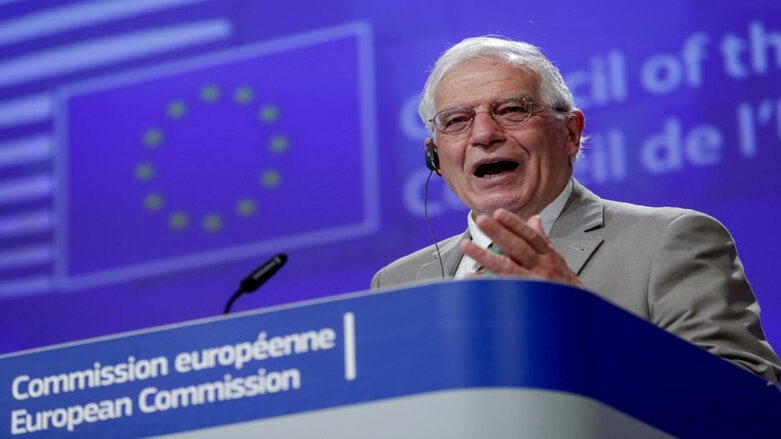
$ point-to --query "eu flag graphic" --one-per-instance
(241, 153)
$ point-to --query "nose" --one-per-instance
(486, 131)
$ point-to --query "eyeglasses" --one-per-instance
(508, 113)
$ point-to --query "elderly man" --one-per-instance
(505, 133)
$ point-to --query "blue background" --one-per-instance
(682, 99)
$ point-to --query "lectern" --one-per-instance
(465, 359)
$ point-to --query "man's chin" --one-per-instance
(489, 205)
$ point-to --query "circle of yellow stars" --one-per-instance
(246, 206)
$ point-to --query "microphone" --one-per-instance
(257, 278)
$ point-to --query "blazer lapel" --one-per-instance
(575, 232)
(451, 256)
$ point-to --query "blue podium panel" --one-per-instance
(465, 359)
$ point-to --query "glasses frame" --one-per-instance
(532, 106)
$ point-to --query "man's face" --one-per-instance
(521, 169)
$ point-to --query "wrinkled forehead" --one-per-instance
(481, 81)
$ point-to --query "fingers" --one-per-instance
(530, 231)
(523, 243)
(493, 262)
(527, 251)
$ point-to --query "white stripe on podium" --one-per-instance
(350, 366)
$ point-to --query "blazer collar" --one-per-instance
(451, 256)
(575, 232)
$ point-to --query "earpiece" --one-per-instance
(432, 158)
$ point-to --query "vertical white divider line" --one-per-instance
(350, 366)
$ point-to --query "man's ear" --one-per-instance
(575, 124)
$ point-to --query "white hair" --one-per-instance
(553, 90)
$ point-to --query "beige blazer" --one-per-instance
(676, 268)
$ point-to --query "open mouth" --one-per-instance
(495, 168)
